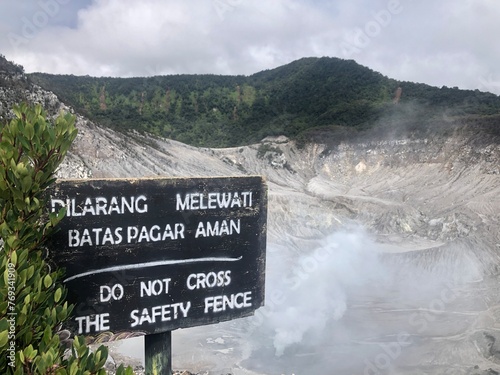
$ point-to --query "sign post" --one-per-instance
(158, 353)
(147, 256)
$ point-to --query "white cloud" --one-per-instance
(440, 43)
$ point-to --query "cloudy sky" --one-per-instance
(445, 42)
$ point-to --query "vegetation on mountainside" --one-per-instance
(217, 111)
(9, 67)
(9, 78)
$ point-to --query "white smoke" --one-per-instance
(349, 303)
(308, 291)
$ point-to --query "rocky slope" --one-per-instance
(383, 251)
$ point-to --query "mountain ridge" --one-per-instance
(291, 100)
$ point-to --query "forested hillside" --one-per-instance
(298, 100)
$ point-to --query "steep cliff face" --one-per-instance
(368, 241)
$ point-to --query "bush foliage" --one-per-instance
(33, 305)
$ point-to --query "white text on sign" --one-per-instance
(101, 205)
(211, 201)
(127, 235)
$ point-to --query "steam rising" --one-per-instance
(345, 302)
(304, 296)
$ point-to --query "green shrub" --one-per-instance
(33, 306)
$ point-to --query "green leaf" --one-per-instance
(73, 368)
(21, 259)
(11, 241)
(4, 338)
(29, 131)
(38, 109)
(17, 111)
(28, 336)
(57, 295)
(4, 325)
(25, 143)
(13, 257)
(47, 281)
(32, 353)
(47, 335)
(26, 183)
(30, 272)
